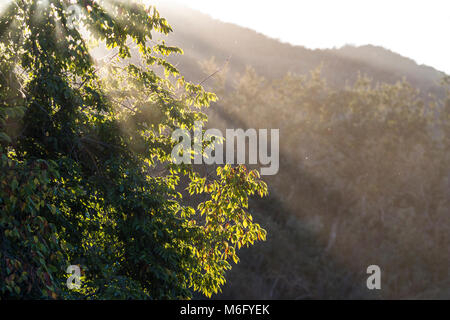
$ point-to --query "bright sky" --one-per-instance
(418, 29)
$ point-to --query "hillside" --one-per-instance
(202, 37)
(362, 179)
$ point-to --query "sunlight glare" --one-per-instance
(3, 5)
(412, 28)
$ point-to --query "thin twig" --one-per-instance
(217, 71)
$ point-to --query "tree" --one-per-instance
(85, 153)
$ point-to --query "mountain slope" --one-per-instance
(202, 37)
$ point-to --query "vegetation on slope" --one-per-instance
(364, 179)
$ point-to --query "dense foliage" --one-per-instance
(85, 154)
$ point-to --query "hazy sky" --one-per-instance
(418, 29)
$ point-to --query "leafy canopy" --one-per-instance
(85, 154)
